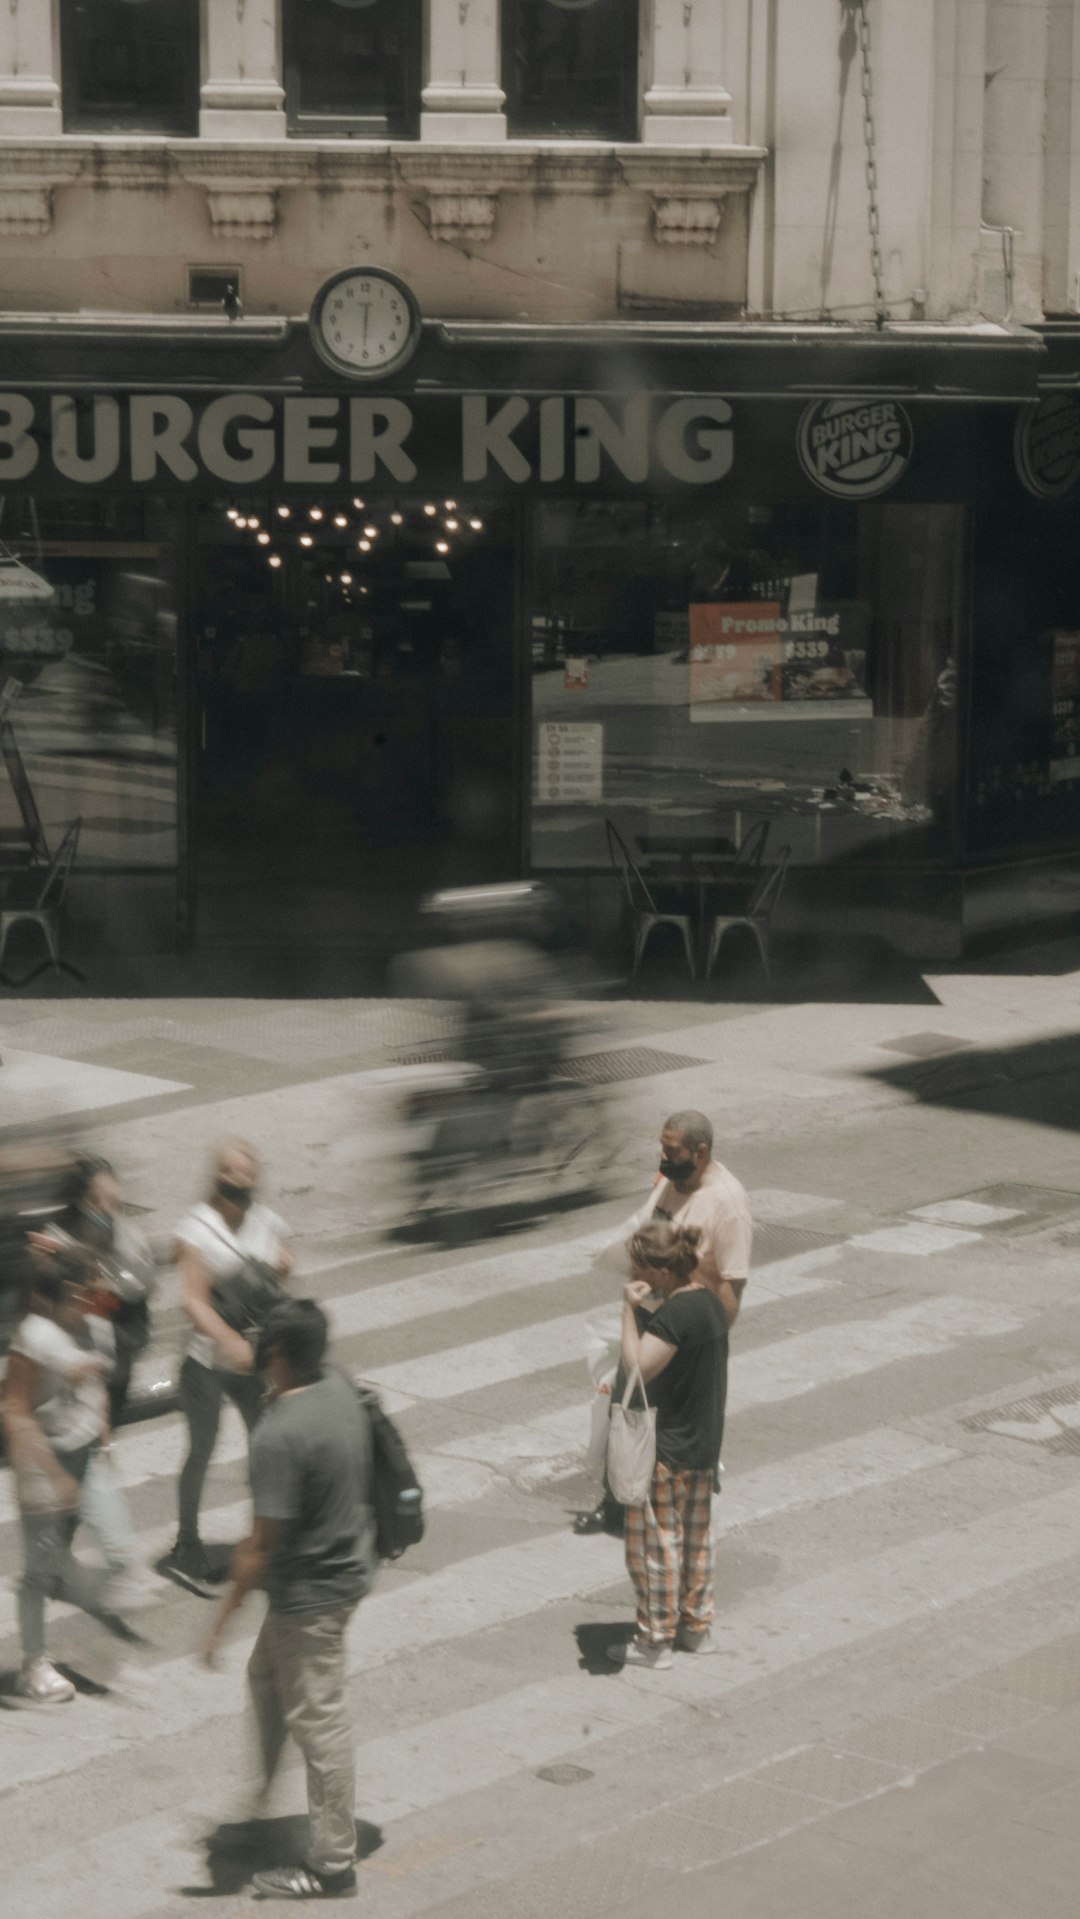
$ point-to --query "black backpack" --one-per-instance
(396, 1495)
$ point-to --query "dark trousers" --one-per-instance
(201, 1391)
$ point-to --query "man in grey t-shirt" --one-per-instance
(312, 1547)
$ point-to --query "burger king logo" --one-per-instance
(1046, 445)
(855, 448)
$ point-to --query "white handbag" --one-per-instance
(631, 1452)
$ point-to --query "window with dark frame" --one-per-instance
(353, 68)
(570, 68)
(130, 65)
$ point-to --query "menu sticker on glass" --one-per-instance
(570, 763)
(1065, 693)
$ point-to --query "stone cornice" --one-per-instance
(461, 185)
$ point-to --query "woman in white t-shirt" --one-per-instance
(214, 1240)
(55, 1411)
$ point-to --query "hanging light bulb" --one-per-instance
(442, 546)
(306, 539)
(430, 510)
(346, 579)
(253, 522)
(230, 513)
(371, 533)
(264, 539)
(397, 519)
(284, 512)
(450, 505)
(452, 525)
(364, 545)
(275, 559)
(359, 505)
(340, 519)
(315, 512)
(477, 525)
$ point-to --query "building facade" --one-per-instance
(719, 475)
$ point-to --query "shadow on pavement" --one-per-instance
(1036, 1080)
(236, 1850)
(593, 1641)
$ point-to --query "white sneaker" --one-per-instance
(39, 1684)
(634, 1653)
(689, 1640)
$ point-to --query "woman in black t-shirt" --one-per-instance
(683, 1359)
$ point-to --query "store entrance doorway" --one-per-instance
(356, 737)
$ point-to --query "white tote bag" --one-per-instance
(631, 1453)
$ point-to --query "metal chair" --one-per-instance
(752, 849)
(38, 897)
(758, 915)
(647, 912)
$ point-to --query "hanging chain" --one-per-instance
(862, 27)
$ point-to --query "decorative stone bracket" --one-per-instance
(244, 180)
(28, 177)
(689, 191)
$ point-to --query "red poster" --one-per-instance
(736, 653)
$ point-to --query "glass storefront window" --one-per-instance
(570, 68)
(88, 663)
(698, 670)
(353, 68)
(130, 65)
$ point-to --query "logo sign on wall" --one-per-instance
(855, 448)
(1046, 445)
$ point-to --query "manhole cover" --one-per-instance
(1050, 1419)
(564, 1775)
(924, 1045)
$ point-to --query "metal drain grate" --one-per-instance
(1050, 1419)
(773, 1242)
(587, 1069)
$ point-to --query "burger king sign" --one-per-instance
(854, 448)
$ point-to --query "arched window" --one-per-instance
(570, 68)
(130, 65)
(353, 68)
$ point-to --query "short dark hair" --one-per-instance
(298, 1330)
(82, 1176)
(692, 1127)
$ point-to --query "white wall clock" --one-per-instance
(365, 322)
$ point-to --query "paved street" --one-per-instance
(893, 1722)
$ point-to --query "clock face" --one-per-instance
(365, 322)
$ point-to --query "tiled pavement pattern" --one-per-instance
(894, 1714)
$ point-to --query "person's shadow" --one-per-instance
(237, 1849)
(593, 1641)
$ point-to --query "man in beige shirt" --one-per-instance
(693, 1189)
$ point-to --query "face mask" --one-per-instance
(240, 1196)
(676, 1169)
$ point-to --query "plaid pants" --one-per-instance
(669, 1555)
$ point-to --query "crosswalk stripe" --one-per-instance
(782, 1369)
(809, 1478)
(436, 1762)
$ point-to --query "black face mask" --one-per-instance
(240, 1196)
(676, 1169)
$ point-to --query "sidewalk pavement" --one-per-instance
(876, 1108)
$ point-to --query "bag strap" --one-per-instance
(628, 1392)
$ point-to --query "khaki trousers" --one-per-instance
(296, 1674)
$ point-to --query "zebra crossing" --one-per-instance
(498, 1425)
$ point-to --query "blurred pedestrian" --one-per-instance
(55, 1412)
(682, 1357)
(219, 1240)
(693, 1189)
(93, 1216)
(312, 1547)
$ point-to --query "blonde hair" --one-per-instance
(661, 1247)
